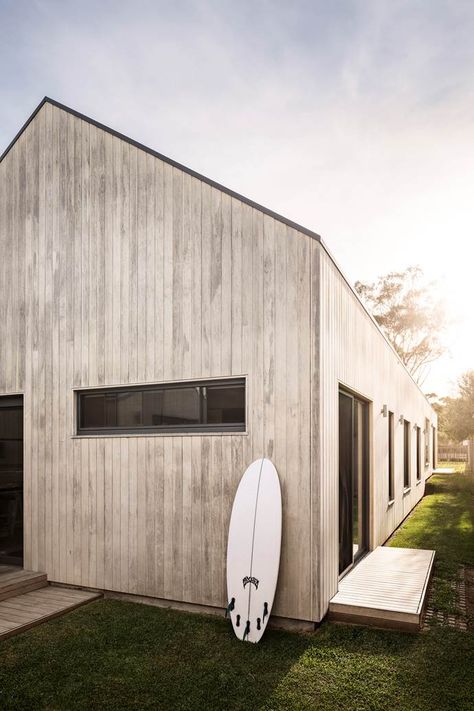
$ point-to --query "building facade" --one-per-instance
(158, 333)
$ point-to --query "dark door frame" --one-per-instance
(366, 479)
(15, 402)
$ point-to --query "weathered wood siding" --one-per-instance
(118, 268)
(354, 354)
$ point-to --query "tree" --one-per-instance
(404, 307)
(458, 412)
(442, 406)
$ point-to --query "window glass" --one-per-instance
(200, 406)
(92, 411)
(406, 454)
(153, 408)
(391, 428)
(225, 403)
(418, 453)
(129, 409)
(110, 410)
(427, 442)
(181, 406)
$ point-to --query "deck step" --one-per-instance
(16, 581)
(22, 612)
(386, 589)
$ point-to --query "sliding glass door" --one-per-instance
(353, 479)
(11, 480)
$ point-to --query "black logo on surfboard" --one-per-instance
(250, 580)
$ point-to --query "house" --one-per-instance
(158, 333)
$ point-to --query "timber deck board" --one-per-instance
(17, 581)
(22, 612)
(387, 587)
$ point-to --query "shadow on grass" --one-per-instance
(116, 655)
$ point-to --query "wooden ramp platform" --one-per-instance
(21, 612)
(16, 581)
(386, 589)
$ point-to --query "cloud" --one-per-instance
(352, 118)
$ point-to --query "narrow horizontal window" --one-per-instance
(201, 406)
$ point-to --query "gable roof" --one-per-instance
(222, 188)
(165, 159)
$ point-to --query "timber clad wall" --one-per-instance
(354, 355)
(119, 268)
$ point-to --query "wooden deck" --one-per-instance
(386, 589)
(26, 600)
(16, 581)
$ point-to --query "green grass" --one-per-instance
(117, 655)
(443, 521)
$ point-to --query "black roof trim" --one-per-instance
(214, 184)
(25, 125)
(165, 159)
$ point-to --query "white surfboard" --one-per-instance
(253, 550)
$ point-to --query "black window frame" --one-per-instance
(406, 455)
(418, 453)
(203, 428)
(391, 457)
(427, 442)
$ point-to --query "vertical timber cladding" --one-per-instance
(355, 355)
(128, 270)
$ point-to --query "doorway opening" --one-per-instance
(353, 479)
(11, 480)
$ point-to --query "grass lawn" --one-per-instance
(444, 522)
(117, 655)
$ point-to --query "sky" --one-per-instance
(354, 118)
